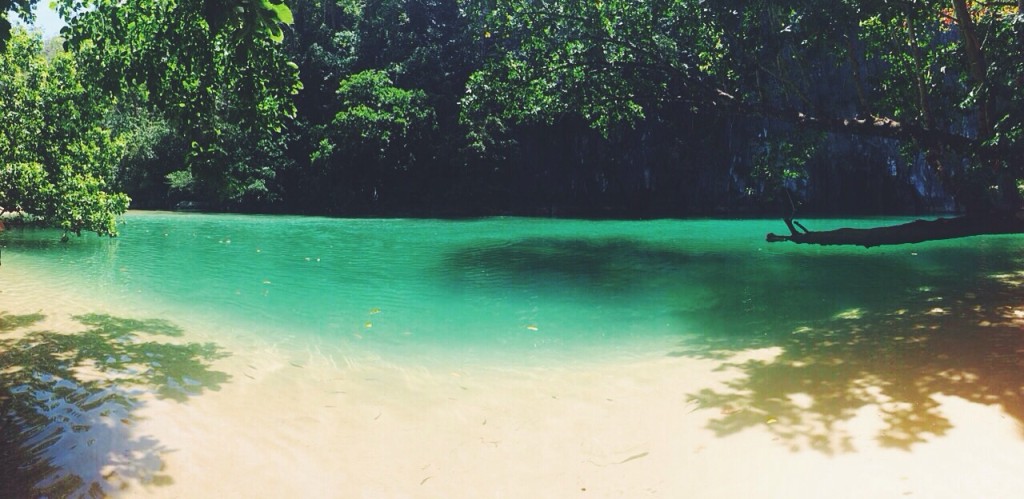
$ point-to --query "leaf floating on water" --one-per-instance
(368, 324)
(265, 281)
(532, 327)
(771, 421)
(374, 310)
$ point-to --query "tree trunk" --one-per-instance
(919, 74)
(913, 232)
(858, 82)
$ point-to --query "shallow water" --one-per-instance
(496, 286)
(847, 328)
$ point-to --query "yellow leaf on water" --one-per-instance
(531, 327)
(369, 324)
(374, 310)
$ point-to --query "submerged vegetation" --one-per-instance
(67, 401)
(444, 107)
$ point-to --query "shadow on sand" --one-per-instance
(892, 363)
(853, 330)
(67, 401)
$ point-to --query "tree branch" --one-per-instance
(908, 233)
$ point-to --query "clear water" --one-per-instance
(897, 328)
(503, 287)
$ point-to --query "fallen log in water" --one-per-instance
(911, 232)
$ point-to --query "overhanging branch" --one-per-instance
(912, 232)
(874, 126)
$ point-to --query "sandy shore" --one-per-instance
(630, 430)
(294, 420)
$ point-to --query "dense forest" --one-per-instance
(613, 108)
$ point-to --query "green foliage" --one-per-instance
(21, 7)
(610, 62)
(325, 46)
(378, 116)
(392, 130)
(180, 180)
(215, 70)
(368, 99)
(779, 162)
(153, 148)
(813, 63)
(56, 157)
(379, 132)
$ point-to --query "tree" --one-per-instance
(377, 126)
(56, 158)
(917, 70)
(213, 69)
(376, 135)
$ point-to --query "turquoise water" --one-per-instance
(504, 287)
(267, 308)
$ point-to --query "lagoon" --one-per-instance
(509, 357)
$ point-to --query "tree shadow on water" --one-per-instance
(608, 265)
(824, 381)
(67, 401)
